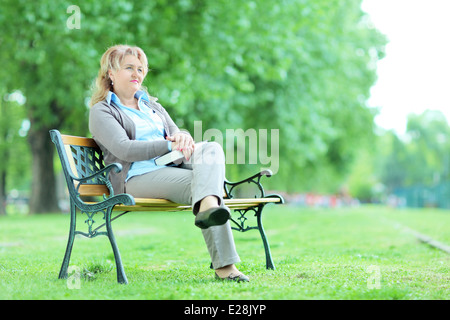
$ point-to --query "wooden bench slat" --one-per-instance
(78, 141)
(152, 208)
(164, 202)
(251, 200)
(93, 190)
(150, 204)
(99, 190)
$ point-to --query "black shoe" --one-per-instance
(212, 217)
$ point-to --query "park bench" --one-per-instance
(91, 193)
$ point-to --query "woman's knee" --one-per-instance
(212, 153)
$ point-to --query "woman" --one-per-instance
(132, 129)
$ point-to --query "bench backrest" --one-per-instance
(80, 157)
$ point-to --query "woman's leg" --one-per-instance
(208, 166)
(177, 184)
(199, 180)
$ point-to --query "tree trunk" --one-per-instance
(2, 192)
(43, 188)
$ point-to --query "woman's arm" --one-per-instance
(107, 131)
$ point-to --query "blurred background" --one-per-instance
(358, 90)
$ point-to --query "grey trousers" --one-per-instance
(201, 176)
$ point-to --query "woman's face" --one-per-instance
(128, 79)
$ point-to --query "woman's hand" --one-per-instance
(182, 142)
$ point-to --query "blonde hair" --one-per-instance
(111, 60)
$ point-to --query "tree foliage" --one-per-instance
(420, 157)
(423, 157)
(301, 66)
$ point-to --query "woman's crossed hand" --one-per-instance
(182, 142)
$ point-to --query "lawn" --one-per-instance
(347, 253)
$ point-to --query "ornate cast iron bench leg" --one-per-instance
(121, 276)
(66, 260)
(269, 261)
(242, 227)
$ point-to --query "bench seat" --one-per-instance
(143, 204)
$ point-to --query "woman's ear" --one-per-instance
(110, 74)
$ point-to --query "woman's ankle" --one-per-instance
(226, 270)
(208, 202)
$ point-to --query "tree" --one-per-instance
(393, 158)
(429, 135)
(304, 67)
(53, 66)
(421, 157)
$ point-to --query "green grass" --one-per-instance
(318, 254)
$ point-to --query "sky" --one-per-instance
(415, 74)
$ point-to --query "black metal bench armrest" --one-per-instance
(101, 175)
(229, 186)
(109, 200)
